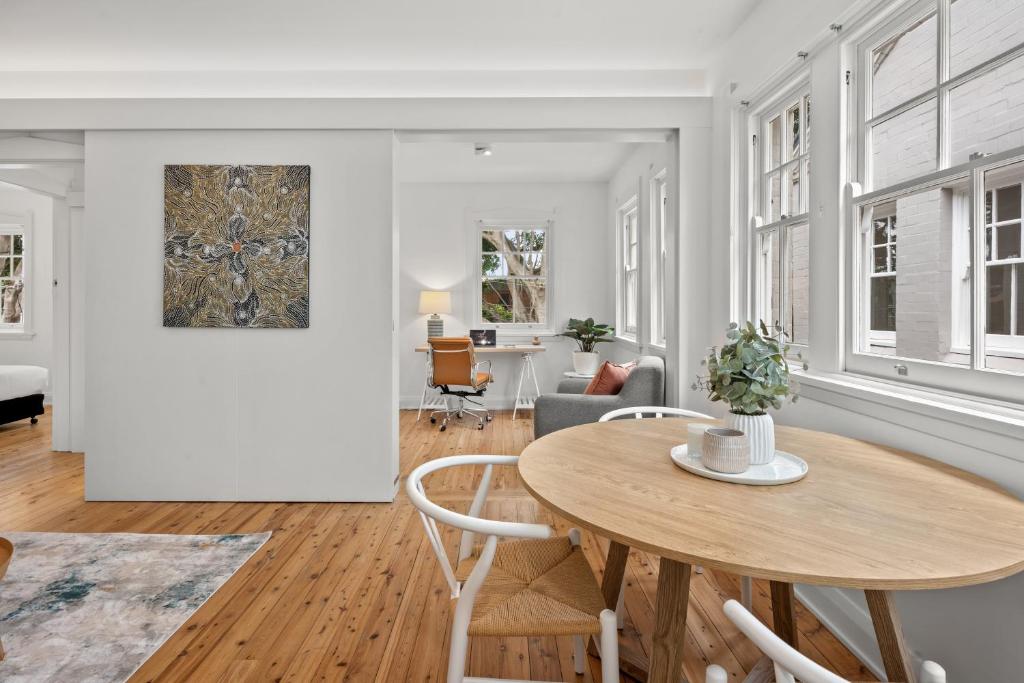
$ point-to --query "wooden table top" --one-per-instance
(500, 348)
(865, 516)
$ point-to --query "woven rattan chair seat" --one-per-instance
(536, 588)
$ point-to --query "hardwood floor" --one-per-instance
(353, 591)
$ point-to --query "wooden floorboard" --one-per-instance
(352, 592)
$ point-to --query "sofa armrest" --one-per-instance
(557, 411)
(573, 385)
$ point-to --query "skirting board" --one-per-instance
(849, 622)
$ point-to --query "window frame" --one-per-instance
(481, 225)
(21, 224)
(659, 258)
(975, 378)
(622, 330)
(795, 91)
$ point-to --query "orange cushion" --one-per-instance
(609, 379)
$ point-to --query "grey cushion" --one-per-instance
(645, 386)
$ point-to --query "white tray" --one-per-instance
(784, 469)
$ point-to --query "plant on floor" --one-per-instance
(587, 333)
(750, 371)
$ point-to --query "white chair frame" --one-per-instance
(465, 593)
(788, 662)
(640, 413)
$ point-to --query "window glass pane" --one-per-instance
(909, 297)
(982, 29)
(987, 113)
(775, 142)
(496, 298)
(881, 230)
(768, 278)
(17, 266)
(5, 267)
(1008, 203)
(491, 240)
(797, 294)
(634, 255)
(774, 198)
(1008, 241)
(1000, 299)
(631, 300)
(530, 296)
(5, 244)
(904, 146)
(793, 207)
(904, 66)
(807, 122)
(1019, 298)
(883, 304)
(793, 123)
(531, 264)
(493, 265)
(19, 244)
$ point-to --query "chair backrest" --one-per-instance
(471, 524)
(452, 360)
(790, 665)
(641, 412)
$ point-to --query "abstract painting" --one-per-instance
(236, 246)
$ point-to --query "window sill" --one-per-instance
(1001, 418)
(16, 334)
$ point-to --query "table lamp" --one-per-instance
(435, 303)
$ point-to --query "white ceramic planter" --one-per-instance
(584, 363)
(760, 431)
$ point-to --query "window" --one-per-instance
(629, 241)
(780, 200)
(940, 135)
(13, 258)
(514, 275)
(659, 257)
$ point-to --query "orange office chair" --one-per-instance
(453, 364)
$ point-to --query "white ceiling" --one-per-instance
(325, 35)
(511, 162)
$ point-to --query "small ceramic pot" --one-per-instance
(760, 429)
(725, 450)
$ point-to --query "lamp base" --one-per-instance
(435, 326)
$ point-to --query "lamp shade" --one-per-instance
(435, 302)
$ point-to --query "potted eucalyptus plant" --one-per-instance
(587, 334)
(751, 374)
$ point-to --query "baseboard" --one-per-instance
(847, 620)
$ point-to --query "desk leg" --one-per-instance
(783, 611)
(670, 621)
(889, 632)
(423, 397)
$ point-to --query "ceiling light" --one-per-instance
(482, 150)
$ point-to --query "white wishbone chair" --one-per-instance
(538, 585)
(791, 666)
(640, 413)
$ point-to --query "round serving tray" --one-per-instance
(784, 469)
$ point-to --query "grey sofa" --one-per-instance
(645, 386)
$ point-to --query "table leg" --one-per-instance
(889, 632)
(670, 621)
(783, 611)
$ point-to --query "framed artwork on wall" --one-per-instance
(236, 246)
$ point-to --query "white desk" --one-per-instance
(527, 371)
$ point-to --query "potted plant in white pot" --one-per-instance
(587, 334)
(751, 374)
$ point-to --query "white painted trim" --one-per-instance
(22, 223)
(848, 621)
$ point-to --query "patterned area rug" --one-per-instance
(93, 607)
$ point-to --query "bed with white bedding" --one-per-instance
(21, 392)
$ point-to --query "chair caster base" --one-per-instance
(433, 420)
(444, 427)
(34, 420)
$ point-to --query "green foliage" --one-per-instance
(497, 313)
(587, 333)
(750, 371)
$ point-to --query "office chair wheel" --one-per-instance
(489, 418)
(433, 420)
(480, 426)
(444, 427)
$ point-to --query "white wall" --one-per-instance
(217, 414)
(973, 632)
(37, 350)
(439, 248)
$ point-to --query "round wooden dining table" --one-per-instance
(866, 517)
